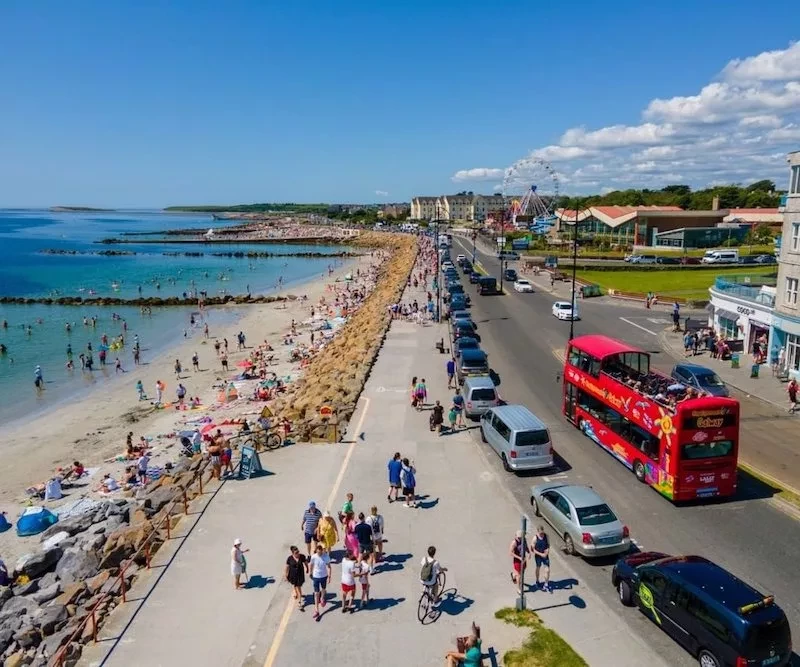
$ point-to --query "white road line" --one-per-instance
(656, 320)
(639, 326)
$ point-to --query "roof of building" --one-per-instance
(754, 215)
(614, 216)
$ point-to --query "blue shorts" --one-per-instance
(320, 584)
(542, 560)
(308, 537)
(395, 483)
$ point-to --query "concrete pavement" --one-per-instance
(193, 615)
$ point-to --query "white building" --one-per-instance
(741, 308)
(461, 207)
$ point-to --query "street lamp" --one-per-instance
(574, 269)
(501, 249)
(474, 236)
(438, 270)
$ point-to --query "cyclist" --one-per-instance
(429, 573)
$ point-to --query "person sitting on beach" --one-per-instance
(77, 470)
(194, 402)
(131, 479)
(108, 484)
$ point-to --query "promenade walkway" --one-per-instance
(194, 617)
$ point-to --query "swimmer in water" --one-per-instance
(38, 379)
(3, 349)
(5, 324)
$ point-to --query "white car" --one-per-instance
(562, 310)
(523, 285)
(460, 259)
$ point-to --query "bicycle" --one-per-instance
(266, 439)
(426, 605)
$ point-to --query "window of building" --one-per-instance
(795, 236)
(793, 352)
(728, 328)
(791, 291)
(794, 188)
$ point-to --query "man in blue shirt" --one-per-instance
(309, 524)
(451, 373)
(395, 466)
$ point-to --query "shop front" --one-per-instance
(785, 344)
(740, 319)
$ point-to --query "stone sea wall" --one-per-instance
(337, 375)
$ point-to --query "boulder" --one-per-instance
(5, 594)
(17, 606)
(77, 564)
(16, 659)
(52, 618)
(139, 516)
(6, 637)
(123, 542)
(71, 594)
(159, 498)
(113, 523)
(55, 641)
(36, 564)
(55, 539)
(96, 583)
(71, 525)
(48, 580)
(28, 637)
(26, 589)
(47, 594)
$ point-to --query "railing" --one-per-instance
(732, 286)
(181, 496)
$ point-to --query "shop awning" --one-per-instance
(727, 314)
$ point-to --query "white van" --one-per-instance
(720, 257)
(518, 436)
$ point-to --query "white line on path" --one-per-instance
(639, 326)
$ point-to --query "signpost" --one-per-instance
(327, 412)
(250, 463)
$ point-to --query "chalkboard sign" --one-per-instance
(250, 463)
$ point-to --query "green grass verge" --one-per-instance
(588, 251)
(543, 647)
(677, 282)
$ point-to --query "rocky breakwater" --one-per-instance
(79, 566)
(152, 302)
(338, 373)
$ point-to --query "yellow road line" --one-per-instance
(290, 603)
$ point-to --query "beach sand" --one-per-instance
(94, 429)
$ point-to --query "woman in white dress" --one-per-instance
(238, 562)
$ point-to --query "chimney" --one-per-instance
(715, 203)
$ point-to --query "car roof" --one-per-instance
(479, 382)
(715, 581)
(579, 496)
(460, 342)
(696, 369)
(518, 417)
(523, 280)
(473, 355)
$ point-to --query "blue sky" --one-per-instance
(153, 103)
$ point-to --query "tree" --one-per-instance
(764, 186)
(677, 189)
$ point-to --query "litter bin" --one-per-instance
(754, 370)
(735, 360)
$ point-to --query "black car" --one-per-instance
(465, 343)
(714, 615)
(668, 260)
(766, 259)
(487, 285)
(510, 275)
(467, 266)
(464, 329)
(475, 277)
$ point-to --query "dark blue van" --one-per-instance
(714, 615)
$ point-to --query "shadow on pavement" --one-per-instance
(453, 604)
(257, 581)
(379, 604)
(428, 504)
(574, 601)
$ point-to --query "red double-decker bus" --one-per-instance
(683, 444)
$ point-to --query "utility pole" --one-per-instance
(574, 269)
(501, 249)
(438, 270)
(474, 236)
(521, 599)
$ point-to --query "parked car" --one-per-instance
(510, 275)
(522, 285)
(460, 259)
(563, 310)
(766, 259)
(700, 377)
(475, 277)
(720, 257)
(464, 343)
(471, 362)
(480, 395)
(690, 260)
(467, 267)
(464, 328)
(582, 519)
(458, 302)
(519, 437)
(748, 259)
(447, 264)
(643, 259)
(458, 314)
(714, 615)
(668, 260)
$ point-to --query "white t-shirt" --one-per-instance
(434, 570)
(347, 572)
(319, 566)
(142, 463)
(110, 483)
(376, 523)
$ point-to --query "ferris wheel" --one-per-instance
(530, 191)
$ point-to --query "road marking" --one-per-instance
(290, 603)
(639, 326)
(657, 320)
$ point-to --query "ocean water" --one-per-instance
(37, 334)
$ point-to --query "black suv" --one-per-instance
(715, 616)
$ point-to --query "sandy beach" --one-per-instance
(93, 430)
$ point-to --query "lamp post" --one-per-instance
(438, 270)
(574, 270)
(501, 249)
(474, 236)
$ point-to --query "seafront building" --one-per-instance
(785, 334)
(461, 207)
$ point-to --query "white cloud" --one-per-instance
(477, 174)
(381, 193)
(783, 65)
(736, 128)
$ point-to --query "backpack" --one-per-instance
(375, 524)
(427, 570)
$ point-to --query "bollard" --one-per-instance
(185, 504)
(201, 482)
(94, 624)
(122, 583)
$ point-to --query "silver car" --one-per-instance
(582, 519)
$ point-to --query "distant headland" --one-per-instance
(79, 209)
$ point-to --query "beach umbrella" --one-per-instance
(246, 363)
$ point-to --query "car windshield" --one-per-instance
(595, 515)
(709, 380)
(775, 632)
(529, 438)
(692, 451)
(483, 394)
(563, 306)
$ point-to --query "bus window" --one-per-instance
(574, 356)
(693, 451)
(645, 442)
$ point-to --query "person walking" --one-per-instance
(180, 392)
(350, 538)
(363, 571)
(295, 573)
(311, 518)
(140, 390)
(363, 531)
(238, 563)
(676, 317)
(320, 577)
(421, 394)
(141, 468)
(348, 582)
(395, 466)
(195, 362)
(409, 476)
(437, 418)
(223, 360)
(327, 533)
(458, 406)
(541, 554)
(451, 373)
(520, 555)
(376, 523)
(791, 390)
(178, 368)
(347, 507)
(414, 392)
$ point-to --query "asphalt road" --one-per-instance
(747, 535)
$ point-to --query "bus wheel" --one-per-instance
(638, 470)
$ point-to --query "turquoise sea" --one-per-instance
(38, 335)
